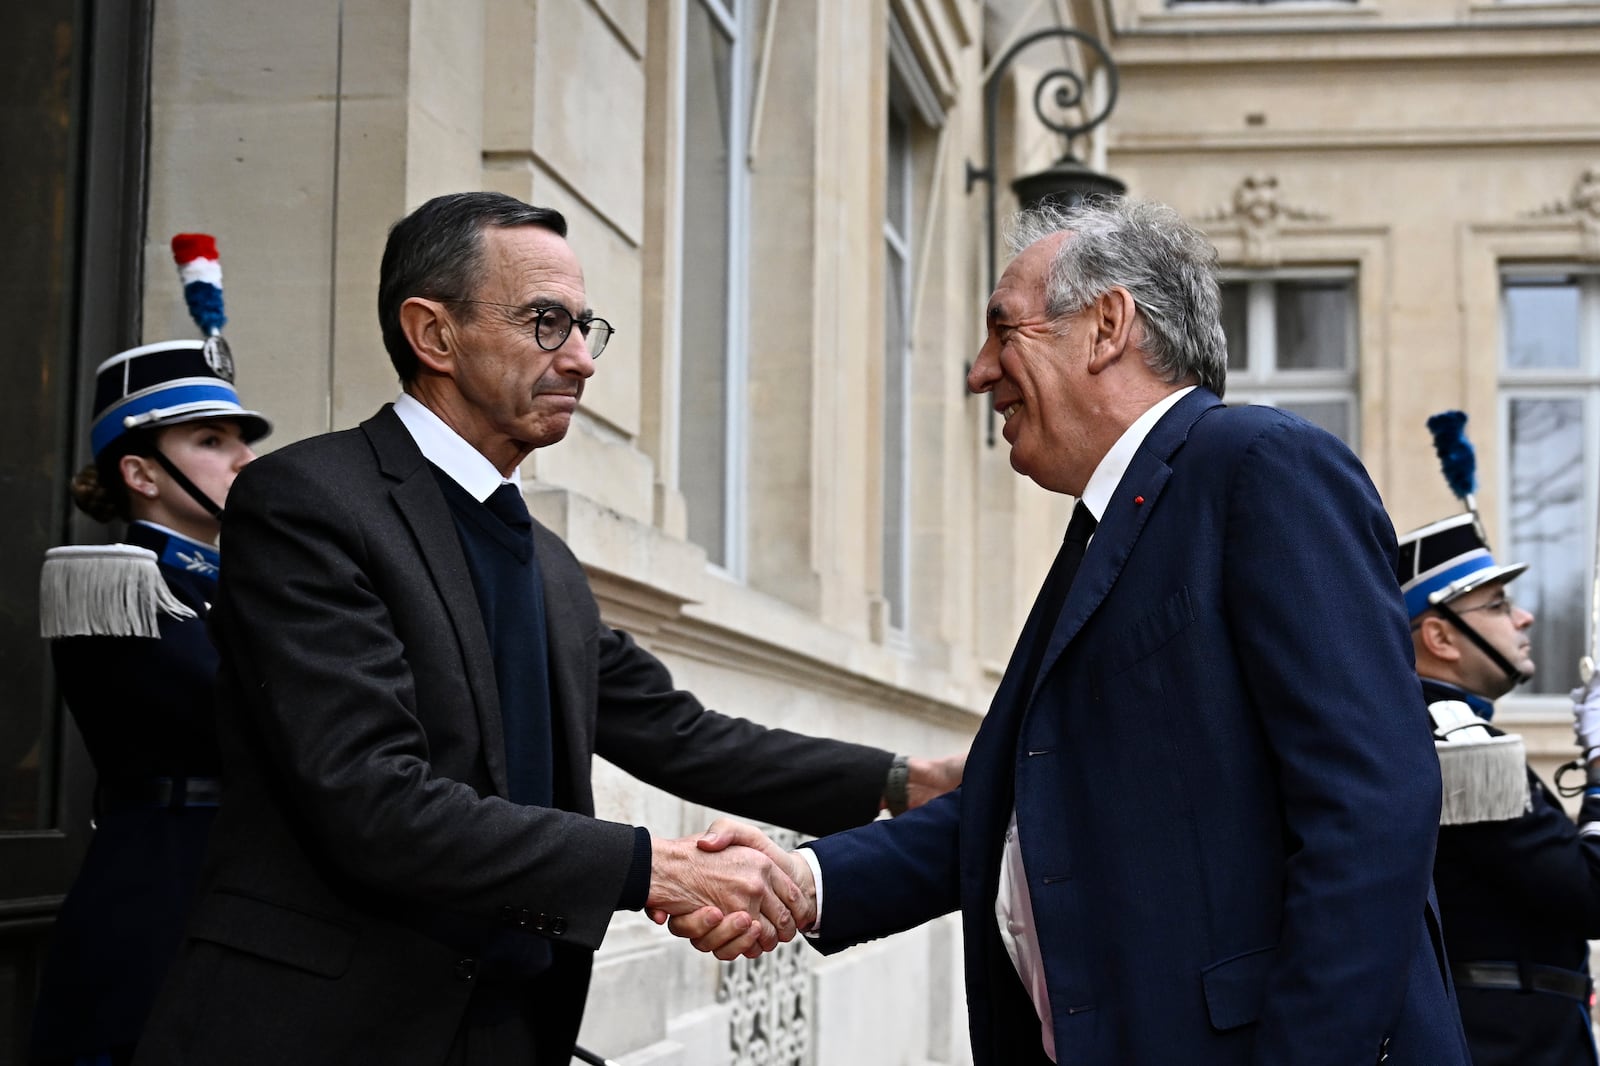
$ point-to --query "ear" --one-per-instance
(1438, 638)
(138, 473)
(430, 330)
(1113, 315)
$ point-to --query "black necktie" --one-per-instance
(1054, 593)
(507, 504)
(523, 674)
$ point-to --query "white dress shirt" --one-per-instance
(449, 451)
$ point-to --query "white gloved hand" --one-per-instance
(1586, 716)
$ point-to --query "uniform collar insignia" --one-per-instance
(176, 550)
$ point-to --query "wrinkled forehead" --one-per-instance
(524, 262)
(1021, 289)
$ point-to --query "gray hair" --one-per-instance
(1147, 248)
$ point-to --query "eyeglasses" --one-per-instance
(551, 325)
(1503, 605)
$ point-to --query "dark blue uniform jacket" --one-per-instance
(144, 707)
(1525, 892)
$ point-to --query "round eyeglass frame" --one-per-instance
(553, 312)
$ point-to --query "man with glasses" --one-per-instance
(1520, 895)
(414, 680)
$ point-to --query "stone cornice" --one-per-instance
(1125, 144)
(1351, 35)
(654, 587)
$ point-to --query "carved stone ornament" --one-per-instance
(1583, 207)
(771, 998)
(1259, 215)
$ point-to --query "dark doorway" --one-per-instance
(74, 101)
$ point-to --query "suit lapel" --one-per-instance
(424, 510)
(1130, 507)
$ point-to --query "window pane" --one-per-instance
(703, 405)
(1236, 322)
(894, 436)
(40, 126)
(1331, 415)
(897, 341)
(1313, 319)
(1541, 321)
(1547, 524)
(897, 209)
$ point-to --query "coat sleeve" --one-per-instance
(664, 736)
(322, 691)
(1540, 863)
(1316, 616)
(889, 876)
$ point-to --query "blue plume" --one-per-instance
(205, 306)
(1456, 457)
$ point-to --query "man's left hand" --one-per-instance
(931, 778)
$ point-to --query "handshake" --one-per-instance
(730, 891)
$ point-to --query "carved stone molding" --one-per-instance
(1582, 207)
(1259, 215)
(771, 998)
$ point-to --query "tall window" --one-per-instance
(897, 327)
(1550, 458)
(913, 138)
(1292, 344)
(711, 333)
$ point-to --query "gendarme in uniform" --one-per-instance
(1518, 881)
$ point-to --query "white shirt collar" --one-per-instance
(1108, 475)
(449, 451)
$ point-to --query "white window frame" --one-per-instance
(1581, 382)
(1261, 381)
(731, 21)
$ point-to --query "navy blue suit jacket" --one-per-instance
(1224, 781)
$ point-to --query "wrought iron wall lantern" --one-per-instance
(1066, 181)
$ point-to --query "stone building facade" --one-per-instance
(776, 480)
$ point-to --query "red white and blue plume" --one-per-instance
(201, 273)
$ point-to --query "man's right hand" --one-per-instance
(737, 890)
(725, 935)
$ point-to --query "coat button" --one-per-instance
(523, 917)
(558, 926)
(467, 969)
(539, 923)
(508, 915)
